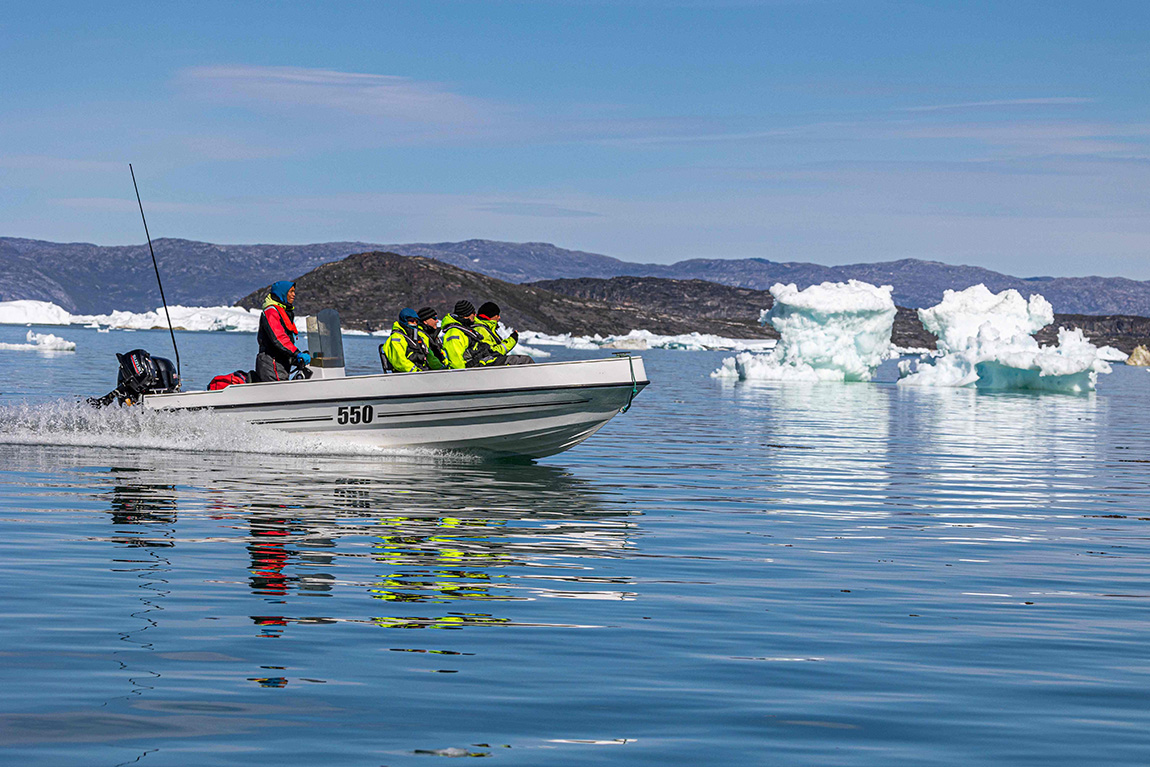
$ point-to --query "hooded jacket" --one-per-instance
(277, 333)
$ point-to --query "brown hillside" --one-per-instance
(369, 289)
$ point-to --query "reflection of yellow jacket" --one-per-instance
(405, 355)
(489, 332)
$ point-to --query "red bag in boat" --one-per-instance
(224, 381)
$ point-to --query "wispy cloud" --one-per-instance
(381, 97)
(126, 205)
(59, 164)
(1047, 101)
(536, 209)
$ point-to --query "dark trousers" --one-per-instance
(268, 369)
(512, 359)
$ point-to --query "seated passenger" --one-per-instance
(462, 345)
(429, 324)
(487, 324)
(277, 335)
(406, 349)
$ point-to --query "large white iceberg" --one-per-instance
(830, 332)
(33, 313)
(985, 342)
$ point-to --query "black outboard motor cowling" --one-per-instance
(140, 373)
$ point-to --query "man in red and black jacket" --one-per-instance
(277, 335)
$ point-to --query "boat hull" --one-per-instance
(527, 411)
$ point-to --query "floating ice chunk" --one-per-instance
(1110, 354)
(957, 320)
(830, 332)
(42, 342)
(1140, 357)
(645, 339)
(207, 318)
(987, 343)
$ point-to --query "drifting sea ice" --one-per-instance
(986, 342)
(830, 332)
(42, 342)
(645, 339)
(214, 318)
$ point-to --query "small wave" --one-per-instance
(77, 424)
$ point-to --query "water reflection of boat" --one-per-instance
(411, 544)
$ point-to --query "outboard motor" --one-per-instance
(140, 374)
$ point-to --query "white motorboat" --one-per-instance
(523, 410)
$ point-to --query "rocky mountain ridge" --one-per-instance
(369, 289)
(88, 278)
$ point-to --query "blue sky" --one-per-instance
(1011, 134)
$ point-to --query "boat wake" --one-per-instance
(77, 424)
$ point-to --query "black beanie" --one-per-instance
(427, 313)
(464, 309)
(489, 310)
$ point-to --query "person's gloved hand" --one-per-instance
(303, 359)
(514, 336)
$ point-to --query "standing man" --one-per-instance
(487, 325)
(277, 335)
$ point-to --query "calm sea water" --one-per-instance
(729, 574)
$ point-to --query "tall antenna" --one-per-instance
(157, 268)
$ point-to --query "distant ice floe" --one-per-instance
(985, 342)
(235, 319)
(42, 342)
(645, 339)
(830, 332)
(212, 318)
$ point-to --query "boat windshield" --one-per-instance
(325, 339)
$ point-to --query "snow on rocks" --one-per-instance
(830, 332)
(42, 342)
(986, 342)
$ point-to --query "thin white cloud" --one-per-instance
(535, 209)
(382, 97)
(59, 164)
(1047, 101)
(126, 205)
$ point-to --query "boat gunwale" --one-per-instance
(640, 384)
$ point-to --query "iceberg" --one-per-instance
(209, 318)
(985, 342)
(42, 342)
(33, 313)
(203, 318)
(830, 332)
(645, 339)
